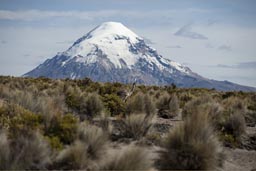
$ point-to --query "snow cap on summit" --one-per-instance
(112, 38)
(114, 28)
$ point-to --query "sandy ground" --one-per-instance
(239, 160)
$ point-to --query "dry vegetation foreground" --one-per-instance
(68, 124)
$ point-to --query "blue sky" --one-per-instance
(214, 38)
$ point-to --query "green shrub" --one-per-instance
(18, 120)
(191, 146)
(64, 127)
(228, 140)
(55, 143)
(114, 104)
(73, 99)
(131, 158)
(109, 88)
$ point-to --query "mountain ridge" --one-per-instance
(113, 53)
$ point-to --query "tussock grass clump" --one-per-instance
(86, 105)
(94, 138)
(4, 151)
(235, 125)
(185, 97)
(200, 104)
(85, 152)
(191, 146)
(29, 151)
(141, 103)
(233, 121)
(238, 122)
(33, 101)
(235, 104)
(130, 158)
(73, 157)
(136, 126)
(149, 105)
(106, 124)
(93, 105)
(168, 106)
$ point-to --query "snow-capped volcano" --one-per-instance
(113, 53)
(121, 46)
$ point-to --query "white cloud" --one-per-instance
(186, 31)
(242, 65)
(32, 15)
(174, 46)
(225, 47)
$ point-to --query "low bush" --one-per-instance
(114, 104)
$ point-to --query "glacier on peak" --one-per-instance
(119, 44)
